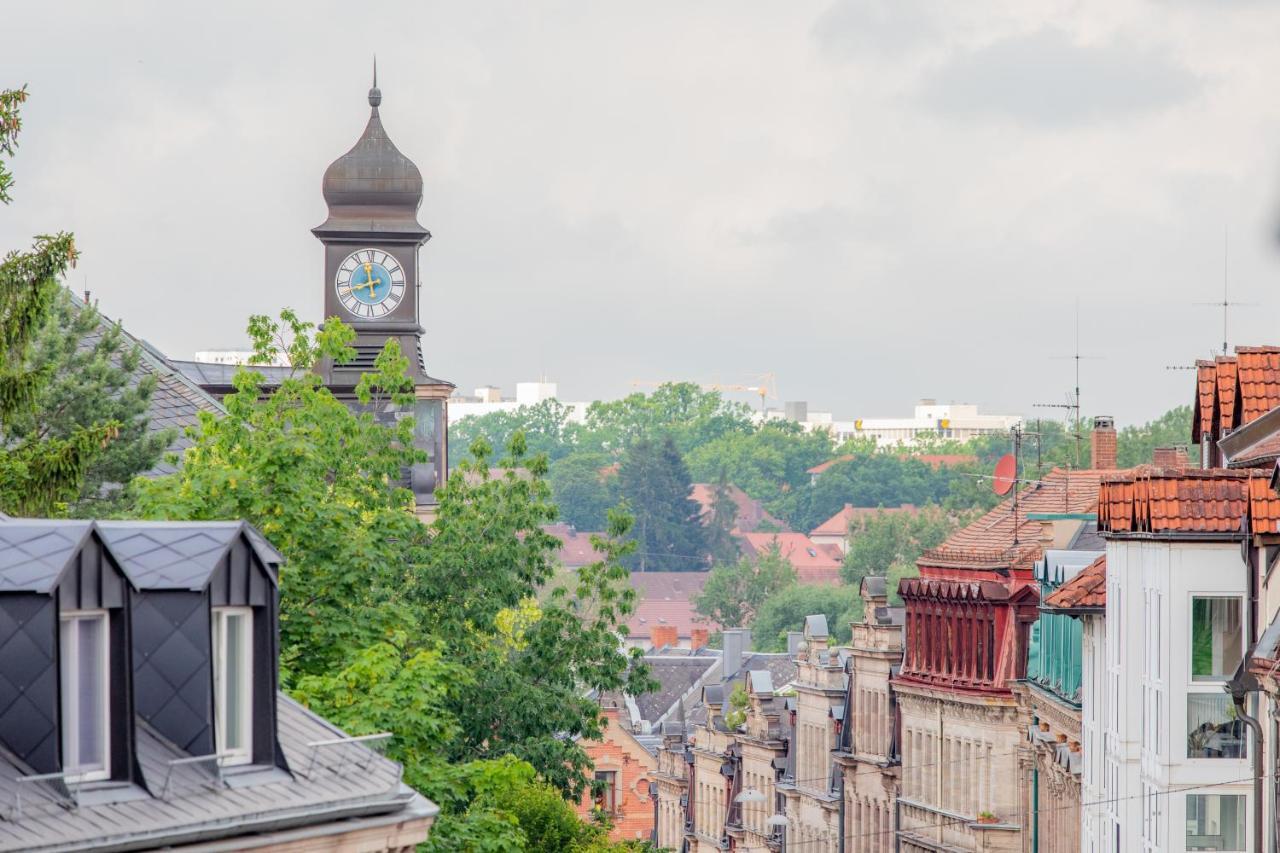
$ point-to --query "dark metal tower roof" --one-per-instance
(373, 187)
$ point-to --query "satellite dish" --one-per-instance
(1006, 474)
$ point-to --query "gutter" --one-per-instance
(407, 804)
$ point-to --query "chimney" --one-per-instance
(698, 638)
(1103, 439)
(794, 639)
(735, 642)
(1170, 457)
(662, 636)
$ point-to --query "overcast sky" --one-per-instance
(876, 201)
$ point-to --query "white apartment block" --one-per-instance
(956, 421)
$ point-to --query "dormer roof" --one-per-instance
(181, 554)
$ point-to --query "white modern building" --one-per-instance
(1169, 758)
(958, 421)
(488, 399)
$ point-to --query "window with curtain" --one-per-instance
(1216, 822)
(1213, 729)
(86, 753)
(233, 683)
(1217, 637)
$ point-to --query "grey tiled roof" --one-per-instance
(176, 401)
(178, 554)
(203, 373)
(33, 553)
(676, 676)
(348, 780)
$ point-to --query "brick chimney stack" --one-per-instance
(1170, 457)
(698, 638)
(1103, 440)
(661, 636)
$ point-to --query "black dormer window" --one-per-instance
(233, 683)
(86, 691)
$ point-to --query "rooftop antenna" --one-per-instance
(1072, 406)
(1226, 303)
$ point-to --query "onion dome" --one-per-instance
(373, 187)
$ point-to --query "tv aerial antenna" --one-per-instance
(1072, 405)
(1225, 303)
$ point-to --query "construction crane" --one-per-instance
(767, 389)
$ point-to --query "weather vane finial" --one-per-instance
(375, 94)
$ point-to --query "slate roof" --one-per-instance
(1086, 591)
(348, 780)
(676, 676)
(176, 401)
(1218, 501)
(178, 554)
(34, 552)
(204, 374)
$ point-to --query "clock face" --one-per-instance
(369, 283)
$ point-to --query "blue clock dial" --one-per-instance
(370, 283)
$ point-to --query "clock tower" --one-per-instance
(371, 279)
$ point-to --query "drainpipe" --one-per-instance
(1242, 684)
(1035, 806)
(1259, 746)
(840, 791)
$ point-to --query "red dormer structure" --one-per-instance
(968, 623)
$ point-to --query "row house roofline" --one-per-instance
(1205, 504)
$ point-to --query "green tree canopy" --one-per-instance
(878, 542)
(39, 474)
(583, 489)
(785, 611)
(668, 526)
(93, 377)
(734, 592)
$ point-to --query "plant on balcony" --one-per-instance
(987, 817)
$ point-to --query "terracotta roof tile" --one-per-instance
(813, 563)
(1206, 399)
(988, 543)
(751, 513)
(1088, 589)
(665, 598)
(838, 524)
(1217, 500)
(1259, 381)
(822, 467)
(1226, 375)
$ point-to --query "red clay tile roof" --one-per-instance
(575, 546)
(988, 543)
(666, 598)
(1265, 450)
(813, 563)
(838, 524)
(751, 513)
(1212, 501)
(1087, 590)
(1259, 381)
(1206, 399)
(1226, 378)
(823, 466)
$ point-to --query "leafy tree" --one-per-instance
(1137, 444)
(682, 410)
(734, 593)
(786, 609)
(896, 573)
(582, 492)
(721, 523)
(545, 426)
(668, 526)
(739, 701)
(321, 481)
(92, 378)
(39, 474)
(884, 539)
(769, 463)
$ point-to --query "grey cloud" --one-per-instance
(852, 27)
(1046, 79)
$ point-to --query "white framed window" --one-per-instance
(233, 683)
(86, 709)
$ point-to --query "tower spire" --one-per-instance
(375, 94)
